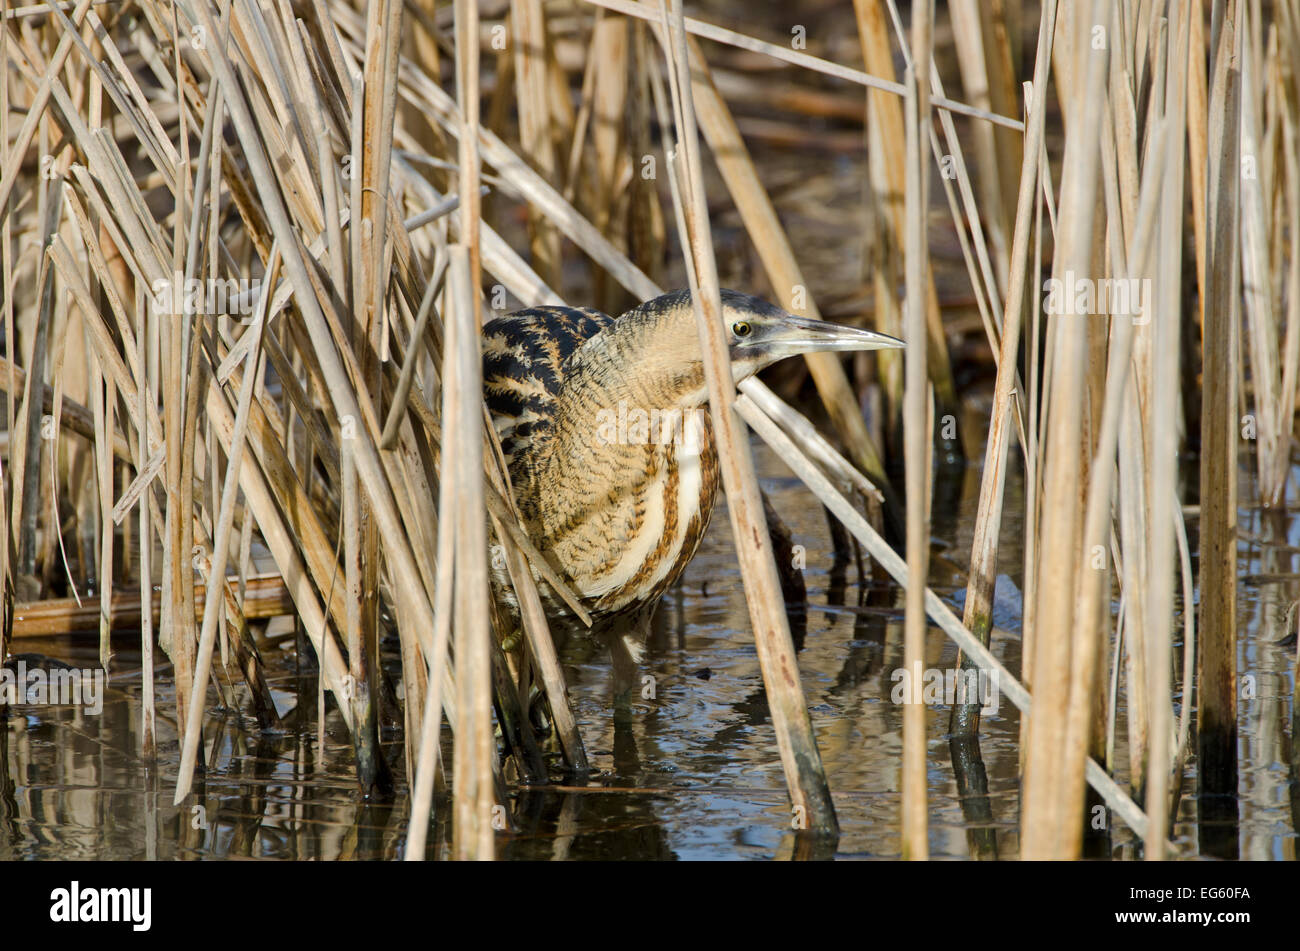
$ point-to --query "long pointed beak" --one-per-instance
(801, 335)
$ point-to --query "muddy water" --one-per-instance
(697, 774)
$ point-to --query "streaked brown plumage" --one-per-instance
(608, 443)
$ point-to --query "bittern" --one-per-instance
(610, 450)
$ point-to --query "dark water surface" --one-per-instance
(696, 776)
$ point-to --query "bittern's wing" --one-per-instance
(523, 354)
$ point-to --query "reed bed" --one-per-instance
(363, 185)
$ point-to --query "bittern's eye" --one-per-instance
(741, 329)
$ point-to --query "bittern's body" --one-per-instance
(608, 443)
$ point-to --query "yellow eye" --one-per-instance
(741, 328)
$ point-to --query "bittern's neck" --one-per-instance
(645, 359)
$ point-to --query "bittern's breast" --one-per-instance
(622, 518)
(614, 472)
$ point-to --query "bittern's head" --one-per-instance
(758, 333)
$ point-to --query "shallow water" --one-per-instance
(696, 776)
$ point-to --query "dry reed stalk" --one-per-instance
(25, 442)
(610, 48)
(1271, 445)
(888, 112)
(148, 732)
(1134, 567)
(317, 548)
(402, 394)
(1033, 450)
(1290, 145)
(582, 120)
(977, 613)
(105, 429)
(1049, 814)
(281, 541)
(1164, 474)
(7, 284)
(179, 635)
(915, 844)
(647, 232)
(884, 267)
(474, 749)
(1216, 721)
(805, 778)
(375, 105)
(964, 717)
(1198, 112)
(528, 21)
(966, 221)
(813, 443)
(537, 191)
(1129, 253)
(1187, 580)
(970, 43)
(427, 759)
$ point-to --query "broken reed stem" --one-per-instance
(915, 841)
(805, 778)
(267, 596)
(372, 769)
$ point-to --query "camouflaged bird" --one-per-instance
(607, 440)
